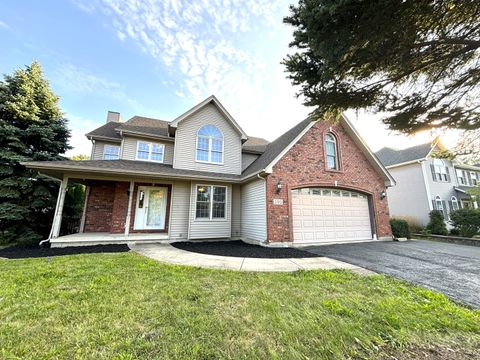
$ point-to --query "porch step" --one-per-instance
(89, 239)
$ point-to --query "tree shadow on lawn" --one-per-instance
(35, 251)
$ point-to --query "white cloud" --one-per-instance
(79, 80)
(216, 47)
(4, 25)
(79, 127)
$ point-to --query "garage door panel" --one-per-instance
(330, 215)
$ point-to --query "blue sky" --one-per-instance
(159, 58)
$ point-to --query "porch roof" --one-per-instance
(131, 168)
(463, 191)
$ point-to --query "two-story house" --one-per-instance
(426, 182)
(201, 176)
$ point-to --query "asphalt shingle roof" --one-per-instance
(389, 156)
(255, 145)
(106, 130)
(274, 148)
(128, 166)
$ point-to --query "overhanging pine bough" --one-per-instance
(416, 60)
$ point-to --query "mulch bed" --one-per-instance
(24, 252)
(238, 248)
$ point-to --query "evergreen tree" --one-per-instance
(32, 128)
(418, 61)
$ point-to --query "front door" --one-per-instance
(151, 208)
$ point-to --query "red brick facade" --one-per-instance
(304, 166)
(107, 205)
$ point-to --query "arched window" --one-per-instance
(210, 145)
(438, 203)
(331, 150)
(454, 203)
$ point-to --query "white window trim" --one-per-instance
(454, 200)
(473, 178)
(110, 146)
(150, 151)
(440, 170)
(211, 218)
(335, 143)
(210, 138)
(438, 200)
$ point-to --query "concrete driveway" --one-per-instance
(449, 268)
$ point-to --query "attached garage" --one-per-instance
(330, 215)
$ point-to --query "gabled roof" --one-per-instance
(255, 145)
(277, 149)
(211, 99)
(107, 131)
(389, 156)
(144, 125)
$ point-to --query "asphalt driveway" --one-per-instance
(449, 268)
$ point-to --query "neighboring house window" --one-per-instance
(473, 178)
(210, 145)
(461, 177)
(211, 202)
(111, 152)
(454, 203)
(440, 171)
(150, 151)
(439, 204)
(331, 151)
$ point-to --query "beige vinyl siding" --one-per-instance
(185, 142)
(254, 211)
(236, 211)
(129, 151)
(247, 159)
(179, 210)
(97, 153)
(209, 229)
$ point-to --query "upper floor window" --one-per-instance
(473, 178)
(331, 150)
(210, 145)
(111, 152)
(440, 171)
(150, 151)
(461, 177)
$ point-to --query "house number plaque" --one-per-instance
(277, 201)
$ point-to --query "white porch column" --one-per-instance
(129, 209)
(84, 213)
(57, 218)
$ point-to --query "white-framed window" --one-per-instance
(209, 147)
(150, 151)
(461, 177)
(111, 152)
(438, 203)
(440, 170)
(331, 150)
(455, 205)
(211, 202)
(473, 178)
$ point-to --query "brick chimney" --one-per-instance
(113, 116)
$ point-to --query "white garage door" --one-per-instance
(328, 215)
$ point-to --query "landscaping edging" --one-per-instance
(450, 239)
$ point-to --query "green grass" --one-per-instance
(125, 306)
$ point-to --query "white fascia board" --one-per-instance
(416, 161)
(205, 102)
(363, 145)
(269, 168)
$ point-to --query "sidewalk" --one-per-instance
(169, 254)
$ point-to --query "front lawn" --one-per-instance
(126, 306)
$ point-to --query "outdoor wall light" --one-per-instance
(383, 195)
(279, 187)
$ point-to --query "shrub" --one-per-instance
(466, 221)
(413, 224)
(454, 232)
(436, 225)
(400, 228)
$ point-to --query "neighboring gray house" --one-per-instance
(425, 183)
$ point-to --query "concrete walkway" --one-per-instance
(169, 254)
